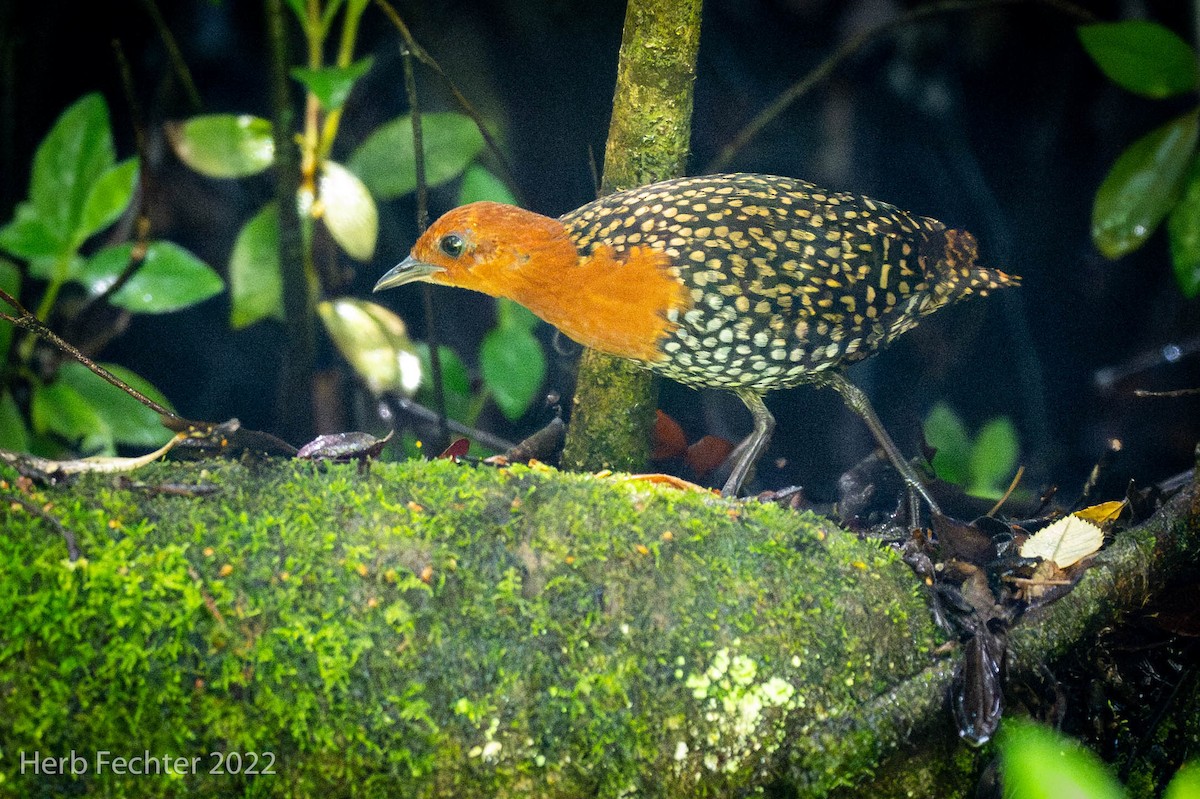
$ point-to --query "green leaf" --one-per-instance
(1143, 57)
(513, 367)
(1037, 763)
(57, 267)
(479, 184)
(375, 342)
(1183, 229)
(456, 384)
(1186, 782)
(10, 281)
(126, 420)
(108, 198)
(513, 314)
(28, 236)
(1142, 186)
(993, 458)
(76, 152)
(385, 161)
(348, 210)
(170, 278)
(331, 85)
(14, 436)
(255, 277)
(945, 431)
(58, 408)
(224, 145)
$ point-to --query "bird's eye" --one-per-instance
(452, 245)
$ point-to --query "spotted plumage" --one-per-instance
(784, 280)
(744, 282)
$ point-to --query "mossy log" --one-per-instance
(431, 629)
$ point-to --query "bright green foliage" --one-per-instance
(386, 163)
(1186, 783)
(432, 630)
(255, 280)
(512, 360)
(224, 145)
(375, 342)
(83, 409)
(122, 419)
(169, 279)
(331, 85)
(983, 466)
(480, 184)
(1142, 57)
(1142, 186)
(1183, 227)
(77, 189)
(1151, 179)
(348, 210)
(1038, 763)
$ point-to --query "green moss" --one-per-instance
(433, 629)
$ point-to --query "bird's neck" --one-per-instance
(615, 303)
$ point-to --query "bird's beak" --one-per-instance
(406, 271)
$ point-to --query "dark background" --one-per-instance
(994, 120)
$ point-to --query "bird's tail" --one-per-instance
(959, 275)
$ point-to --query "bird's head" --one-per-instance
(489, 247)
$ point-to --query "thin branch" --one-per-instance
(435, 356)
(850, 47)
(419, 411)
(28, 322)
(177, 63)
(425, 58)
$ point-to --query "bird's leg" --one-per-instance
(858, 402)
(749, 451)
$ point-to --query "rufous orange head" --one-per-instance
(484, 246)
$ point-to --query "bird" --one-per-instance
(744, 282)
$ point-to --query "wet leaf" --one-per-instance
(513, 367)
(375, 342)
(1183, 229)
(75, 154)
(170, 278)
(386, 164)
(1143, 57)
(1038, 763)
(479, 184)
(255, 278)
(348, 210)
(1065, 543)
(224, 145)
(126, 420)
(107, 199)
(1142, 186)
(331, 85)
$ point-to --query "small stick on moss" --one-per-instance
(73, 551)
